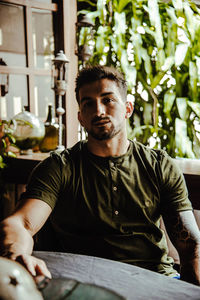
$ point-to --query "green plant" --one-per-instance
(157, 45)
(6, 141)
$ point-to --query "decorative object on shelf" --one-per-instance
(59, 85)
(28, 131)
(50, 140)
(4, 80)
(84, 38)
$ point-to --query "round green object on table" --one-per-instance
(69, 289)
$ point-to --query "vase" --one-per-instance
(28, 131)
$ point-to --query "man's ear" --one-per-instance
(79, 118)
(129, 109)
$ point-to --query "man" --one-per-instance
(105, 196)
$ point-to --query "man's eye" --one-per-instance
(108, 100)
(88, 104)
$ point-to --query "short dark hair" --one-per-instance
(91, 74)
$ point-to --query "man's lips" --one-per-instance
(100, 122)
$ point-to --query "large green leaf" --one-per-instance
(180, 54)
(154, 15)
(129, 71)
(122, 4)
(168, 103)
(198, 66)
(101, 7)
(120, 23)
(101, 38)
(196, 143)
(171, 13)
(178, 4)
(181, 103)
(160, 59)
(193, 79)
(195, 106)
(169, 61)
(137, 43)
(183, 143)
(190, 19)
(147, 61)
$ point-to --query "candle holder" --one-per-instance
(59, 85)
(84, 39)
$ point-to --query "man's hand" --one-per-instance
(16, 235)
(35, 266)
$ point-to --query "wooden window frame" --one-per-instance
(64, 33)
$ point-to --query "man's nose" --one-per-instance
(100, 109)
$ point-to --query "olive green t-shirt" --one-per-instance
(111, 207)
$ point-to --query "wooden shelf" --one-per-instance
(36, 156)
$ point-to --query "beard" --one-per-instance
(103, 133)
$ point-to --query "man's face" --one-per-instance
(103, 112)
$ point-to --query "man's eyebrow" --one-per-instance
(106, 94)
(87, 98)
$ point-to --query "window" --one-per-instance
(31, 32)
(27, 47)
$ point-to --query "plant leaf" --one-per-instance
(183, 142)
(195, 106)
(154, 16)
(168, 103)
(178, 4)
(122, 4)
(182, 107)
(102, 10)
(180, 54)
(193, 79)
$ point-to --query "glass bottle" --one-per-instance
(50, 141)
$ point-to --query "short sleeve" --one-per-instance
(174, 194)
(45, 181)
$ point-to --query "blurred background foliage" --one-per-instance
(157, 46)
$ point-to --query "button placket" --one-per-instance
(112, 164)
(113, 171)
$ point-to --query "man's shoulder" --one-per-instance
(68, 153)
(148, 152)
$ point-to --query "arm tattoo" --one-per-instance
(179, 230)
(183, 231)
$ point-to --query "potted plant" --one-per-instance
(157, 45)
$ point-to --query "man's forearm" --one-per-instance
(184, 234)
(190, 266)
(190, 272)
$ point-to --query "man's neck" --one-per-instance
(111, 147)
